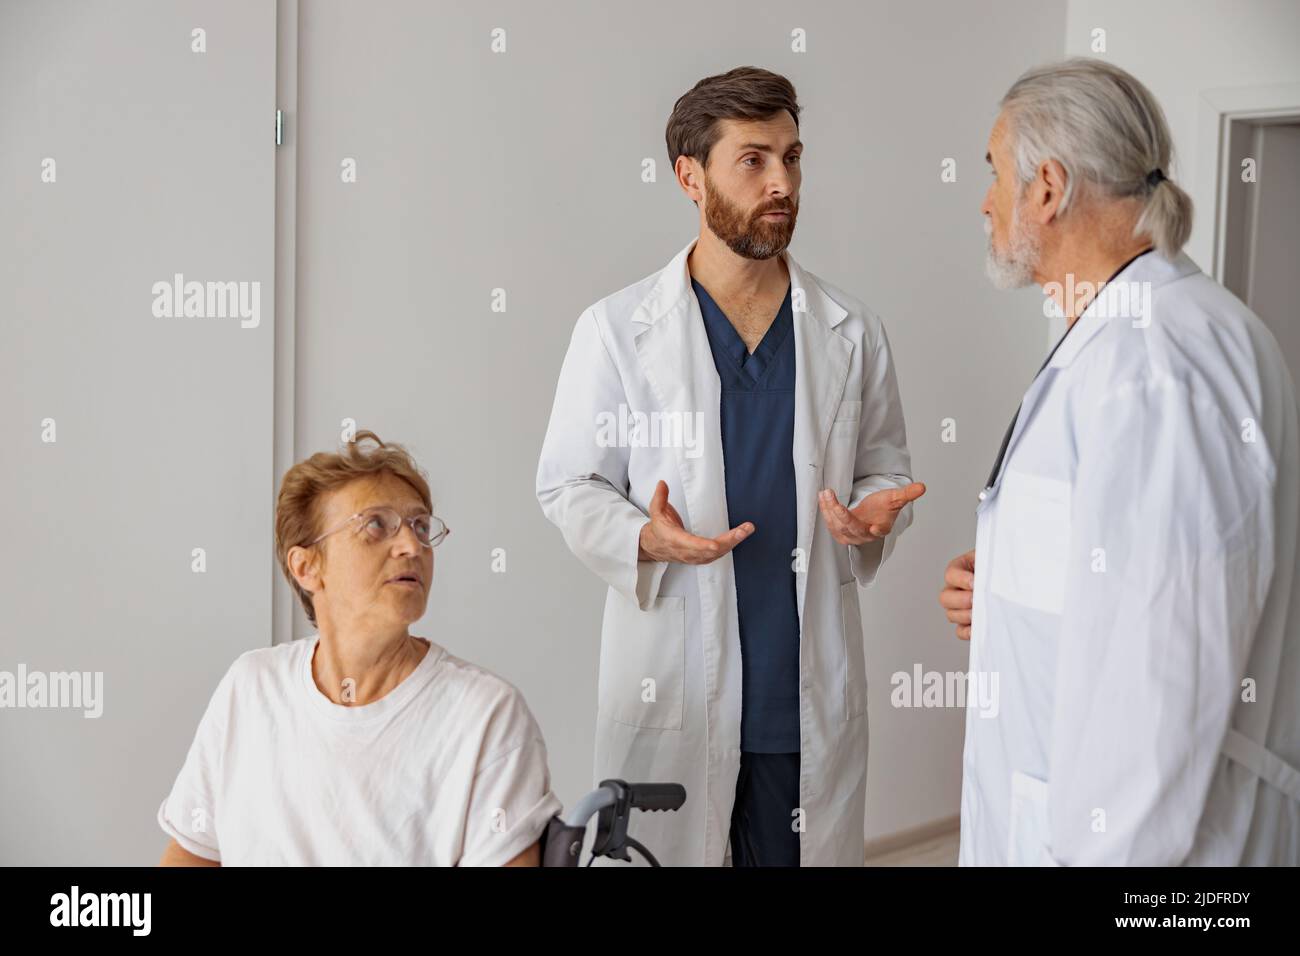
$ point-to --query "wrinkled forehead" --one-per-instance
(997, 142)
(382, 490)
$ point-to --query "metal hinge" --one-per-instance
(279, 127)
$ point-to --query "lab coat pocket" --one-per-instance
(848, 415)
(1031, 540)
(842, 450)
(642, 655)
(855, 664)
(1027, 843)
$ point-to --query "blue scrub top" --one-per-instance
(757, 413)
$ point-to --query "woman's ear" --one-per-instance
(304, 565)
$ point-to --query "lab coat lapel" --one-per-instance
(1033, 396)
(675, 358)
(673, 350)
(822, 358)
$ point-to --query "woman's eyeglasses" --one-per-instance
(380, 524)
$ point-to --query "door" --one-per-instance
(1263, 225)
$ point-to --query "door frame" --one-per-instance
(1220, 109)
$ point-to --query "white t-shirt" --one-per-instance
(448, 768)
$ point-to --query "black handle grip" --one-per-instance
(656, 796)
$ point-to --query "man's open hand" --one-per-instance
(665, 538)
(872, 519)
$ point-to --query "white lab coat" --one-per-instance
(646, 348)
(1135, 563)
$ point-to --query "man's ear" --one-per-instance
(1047, 190)
(304, 565)
(690, 176)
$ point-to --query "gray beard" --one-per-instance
(1014, 268)
(752, 247)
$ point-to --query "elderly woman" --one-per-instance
(362, 744)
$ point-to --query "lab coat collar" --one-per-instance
(674, 285)
(1151, 268)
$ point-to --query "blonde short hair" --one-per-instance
(297, 509)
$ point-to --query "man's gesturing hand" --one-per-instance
(959, 589)
(665, 538)
(872, 519)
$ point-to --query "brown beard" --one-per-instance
(745, 233)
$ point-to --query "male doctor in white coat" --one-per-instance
(1133, 581)
(727, 452)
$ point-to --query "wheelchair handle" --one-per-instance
(656, 796)
(612, 804)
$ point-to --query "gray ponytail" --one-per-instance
(1110, 135)
(1166, 218)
